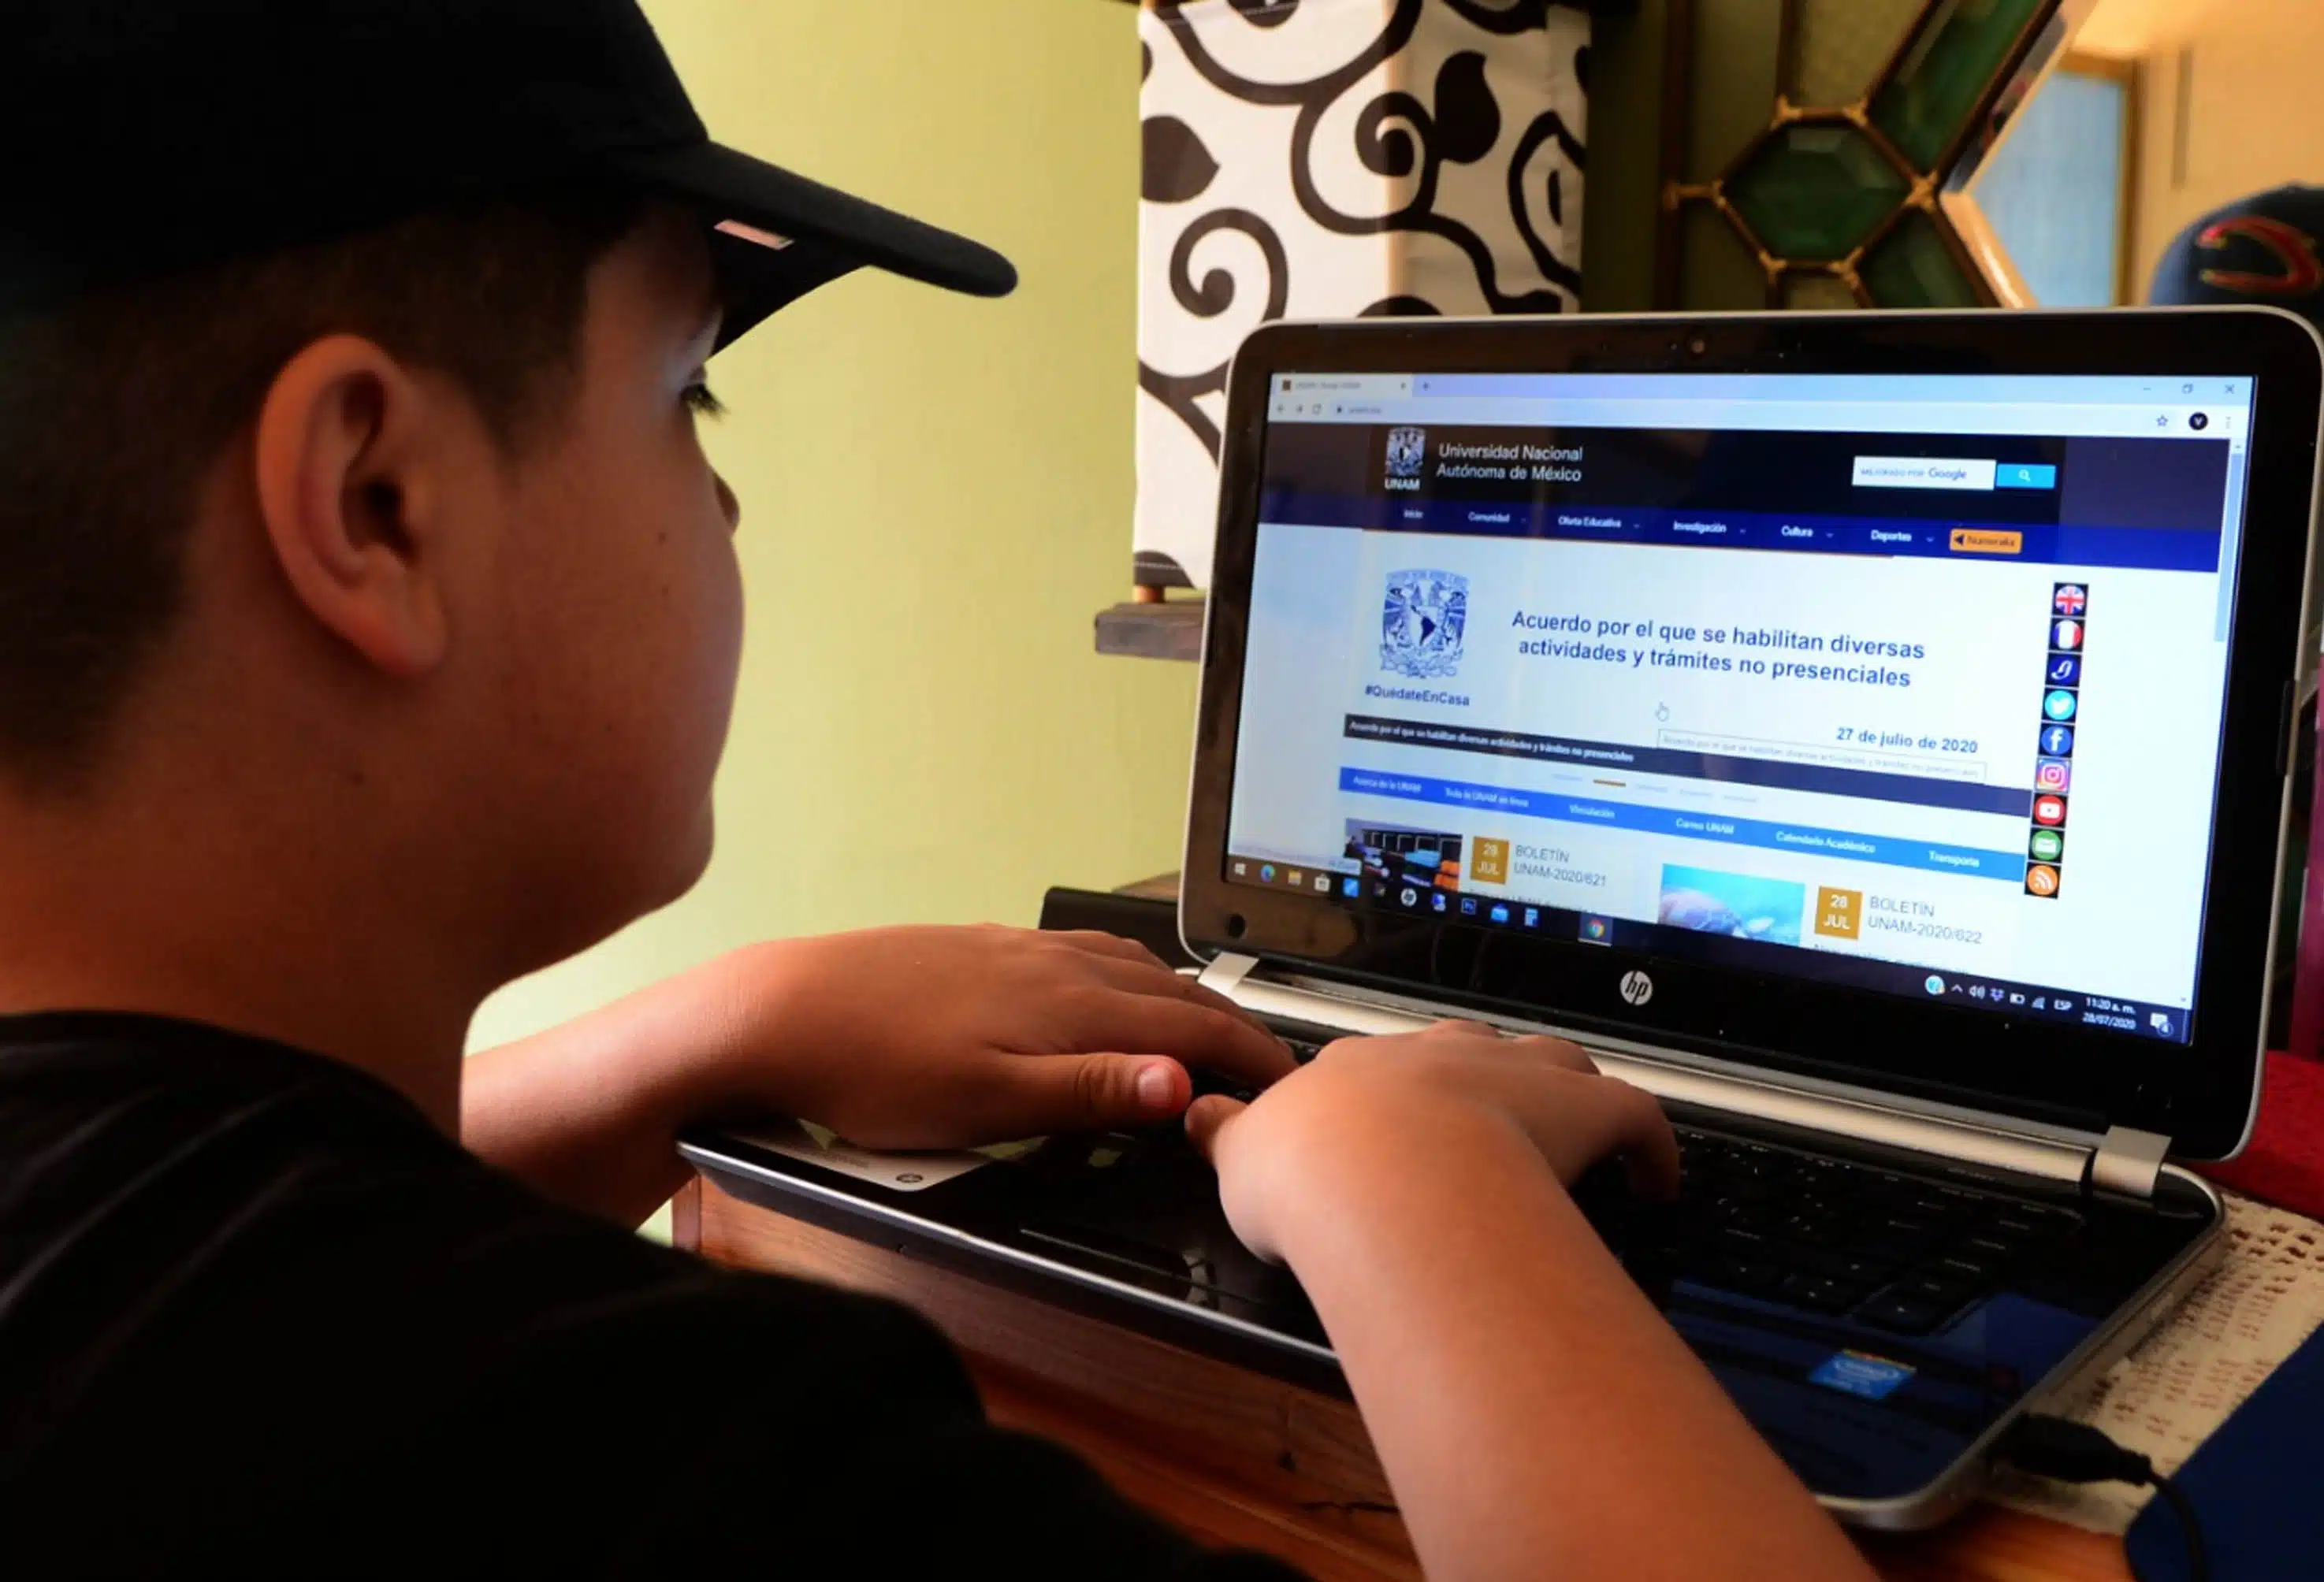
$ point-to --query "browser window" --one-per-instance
(1909, 682)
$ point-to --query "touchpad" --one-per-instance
(1204, 1259)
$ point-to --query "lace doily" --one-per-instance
(2165, 1398)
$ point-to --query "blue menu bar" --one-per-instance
(2151, 548)
(1692, 824)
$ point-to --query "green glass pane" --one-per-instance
(1807, 292)
(1727, 107)
(1946, 70)
(1841, 43)
(1913, 268)
(1815, 191)
(1717, 272)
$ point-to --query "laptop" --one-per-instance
(1866, 733)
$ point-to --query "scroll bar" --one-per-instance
(2231, 532)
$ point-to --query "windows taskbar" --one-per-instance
(2033, 1001)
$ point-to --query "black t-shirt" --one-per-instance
(258, 1318)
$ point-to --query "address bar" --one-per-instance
(1809, 414)
(1825, 755)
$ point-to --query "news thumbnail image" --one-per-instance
(1739, 906)
(1391, 854)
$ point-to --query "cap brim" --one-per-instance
(779, 235)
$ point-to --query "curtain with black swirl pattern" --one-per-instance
(1336, 159)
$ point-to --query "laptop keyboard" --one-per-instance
(1827, 1235)
(1809, 1231)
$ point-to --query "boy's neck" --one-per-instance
(215, 922)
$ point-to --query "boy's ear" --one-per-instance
(351, 498)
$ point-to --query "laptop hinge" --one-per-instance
(1972, 1140)
(2128, 1162)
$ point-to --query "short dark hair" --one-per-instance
(114, 408)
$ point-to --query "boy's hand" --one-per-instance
(1519, 1386)
(1393, 1104)
(894, 1038)
(945, 1038)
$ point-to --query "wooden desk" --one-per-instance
(1232, 1456)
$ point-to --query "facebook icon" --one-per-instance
(2057, 741)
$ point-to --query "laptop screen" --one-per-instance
(1912, 684)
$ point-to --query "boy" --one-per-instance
(371, 624)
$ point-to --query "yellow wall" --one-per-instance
(2251, 117)
(937, 494)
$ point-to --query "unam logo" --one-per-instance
(1422, 622)
(1407, 449)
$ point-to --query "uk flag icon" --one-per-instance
(2068, 599)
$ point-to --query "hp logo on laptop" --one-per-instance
(1637, 989)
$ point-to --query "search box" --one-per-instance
(1916, 472)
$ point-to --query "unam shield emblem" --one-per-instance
(1421, 623)
(1407, 449)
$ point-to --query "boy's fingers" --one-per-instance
(1205, 1120)
(1092, 1092)
(1577, 1124)
(1536, 1046)
(1460, 1026)
(1099, 943)
(1151, 977)
(1190, 1031)
(1556, 1051)
(1649, 1147)
(1161, 983)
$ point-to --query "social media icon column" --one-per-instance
(2061, 707)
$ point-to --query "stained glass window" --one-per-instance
(1846, 194)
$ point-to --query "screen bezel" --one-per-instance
(2199, 1095)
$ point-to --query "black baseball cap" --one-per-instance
(141, 137)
